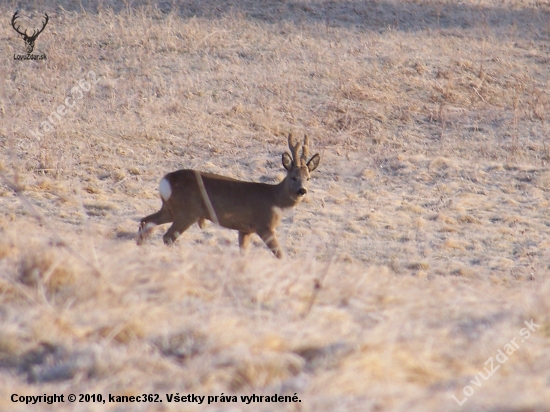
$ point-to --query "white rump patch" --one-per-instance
(165, 189)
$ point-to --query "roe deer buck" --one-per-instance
(190, 196)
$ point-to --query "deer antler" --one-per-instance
(36, 33)
(15, 16)
(305, 149)
(294, 149)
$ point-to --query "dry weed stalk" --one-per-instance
(317, 286)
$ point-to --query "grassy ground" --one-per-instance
(421, 251)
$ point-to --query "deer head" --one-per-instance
(298, 168)
(29, 40)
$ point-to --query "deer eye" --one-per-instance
(294, 179)
(308, 179)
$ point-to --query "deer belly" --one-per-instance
(236, 221)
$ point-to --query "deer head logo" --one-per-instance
(29, 40)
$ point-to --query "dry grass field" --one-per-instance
(420, 252)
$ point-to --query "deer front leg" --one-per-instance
(244, 240)
(180, 225)
(147, 224)
(270, 239)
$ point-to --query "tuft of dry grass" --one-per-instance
(420, 252)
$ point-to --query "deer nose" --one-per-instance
(302, 192)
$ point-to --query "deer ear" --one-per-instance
(313, 162)
(287, 161)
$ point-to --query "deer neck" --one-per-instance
(283, 196)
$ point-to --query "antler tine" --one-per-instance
(15, 16)
(44, 26)
(294, 149)
(305, 148)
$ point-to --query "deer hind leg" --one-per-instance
(147, 224)
(270, 239)
(181, 224)
(244, 240)
(202, 222)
